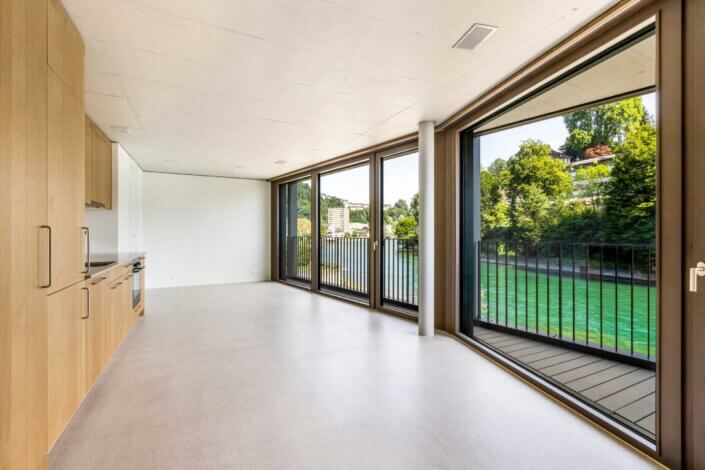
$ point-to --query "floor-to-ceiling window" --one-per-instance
(295, 248)
(344, 231)
(399, 259)
(559, 233)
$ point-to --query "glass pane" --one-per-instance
(400, 243)
(295, 235)
(345, 230)
(565, 266)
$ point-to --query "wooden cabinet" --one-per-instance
(23, 241)
(88, 163)
(66, 51)
(93, 325)
(99, 157)
(65, 184)
(66, 311)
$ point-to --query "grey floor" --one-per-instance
(269, 376)
(623, 391)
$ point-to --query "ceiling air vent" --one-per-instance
(474, 36)
(121, 130)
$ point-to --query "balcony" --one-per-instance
(580, 315)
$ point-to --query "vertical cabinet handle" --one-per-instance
(88, 303)
(48, 284)
(88, 248)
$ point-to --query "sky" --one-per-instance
(401, 178)
(401, 181)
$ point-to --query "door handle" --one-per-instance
(88, 248)
(48, 284)
(695, 273)
(88, 303)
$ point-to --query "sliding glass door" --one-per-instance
(344, 232)
(399, 258)
(295, 248)
(559, 234)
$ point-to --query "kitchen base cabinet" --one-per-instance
(66, 310)
(93, 324)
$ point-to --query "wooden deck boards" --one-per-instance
(620, 390)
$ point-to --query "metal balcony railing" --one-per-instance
(400, 272)
(597, 296)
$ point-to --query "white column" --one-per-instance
(426, 228)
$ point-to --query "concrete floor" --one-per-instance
(269, 376)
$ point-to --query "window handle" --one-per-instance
(695, 273)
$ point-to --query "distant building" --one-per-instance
(356, 206)
(579, 185)
(359, 229)
(338, 220)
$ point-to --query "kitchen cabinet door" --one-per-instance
(65, 184)
(65, 312)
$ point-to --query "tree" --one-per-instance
(303, 227)
(534, 215)
(630, 195)
(361, 216)
(607, 125)
(405, 227)
(493, 206)
(533, 166)
(415, 207)
(303, 200)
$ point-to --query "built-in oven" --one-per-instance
(136, 283)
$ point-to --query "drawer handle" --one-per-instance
(116, 285)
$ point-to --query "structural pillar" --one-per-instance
(426, 228)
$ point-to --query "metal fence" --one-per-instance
(599, 296)
(400, 272)
(344, 263)
(298, 259)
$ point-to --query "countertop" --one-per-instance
(116, 259)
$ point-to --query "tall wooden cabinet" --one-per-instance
(23, 240)
(41, 202)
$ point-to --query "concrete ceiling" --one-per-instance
(228, 88)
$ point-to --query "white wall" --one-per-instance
(130, 203)
(205, 230)
(119, 229)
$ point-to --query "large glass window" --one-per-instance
(295, 231)
(344, 207)
(560, 239)
(400, 242)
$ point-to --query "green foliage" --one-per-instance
(532, 168)
(534, 214)
(405, 227)
(606, 124)
(303, 200)
(528, 196)
(361, 216)
(630, 199)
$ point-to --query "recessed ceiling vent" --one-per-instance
(474, 36)
(121, 130)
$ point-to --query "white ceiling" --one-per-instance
(229, 87)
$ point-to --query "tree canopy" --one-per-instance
(532, 196)
(603, 125)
